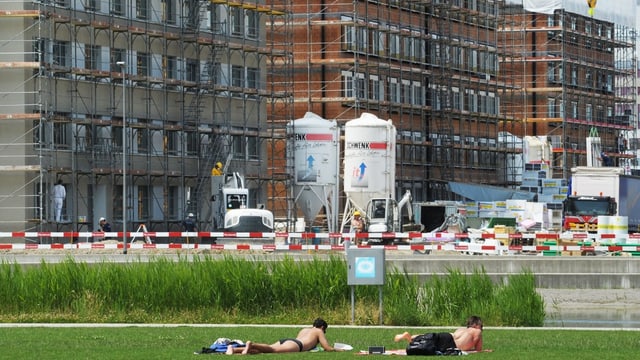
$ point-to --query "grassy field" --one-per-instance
(181, 342)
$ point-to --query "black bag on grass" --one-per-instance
(426, 344)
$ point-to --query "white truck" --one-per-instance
(601, 191)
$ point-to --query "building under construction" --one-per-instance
(149, 94)
(572, 67)
(466, 81)
(432, 67)
(193, 82)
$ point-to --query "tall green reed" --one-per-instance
(205, 288)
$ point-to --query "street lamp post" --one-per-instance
(123, 67)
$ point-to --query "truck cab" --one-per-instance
(581, 212)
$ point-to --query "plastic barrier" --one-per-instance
(414, 241)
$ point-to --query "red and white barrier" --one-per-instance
(491, 243)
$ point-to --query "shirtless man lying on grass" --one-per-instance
(307, 339)
(467, 339)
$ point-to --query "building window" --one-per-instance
(550, 72)
(588, 79)
(142, 208)
(192, 70)
(347, 84)
(174, 204)
(142, 140)
(61, 53)
(192, 142)
(473, 101)
(560, 75)
(407, 95)
(551, 108)
(117, 55)
(376, 88)
(117, 7)
(253, 152)
(237, 76)
(348, 35)
(170, 65)
(172, 142)
(237, 20)
(360, 87)
(394, 91)
(457, 103)
(245, 147)
(237, 147)
(168, 11)
(379, 42)
(253, 24)
(458, 54)
(92, 5)
(92, 57)
(394, 43)
(143, 67)
(253, 78)
(116, 137)
(362, 39)
(61, 135)
(142, 9)
(418, 93)
(408, 48)
(550, 20)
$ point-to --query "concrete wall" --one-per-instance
(604, 272)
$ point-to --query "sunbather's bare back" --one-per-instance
(468, 339)
(308, 337)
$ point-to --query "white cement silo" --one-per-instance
(369, 162)
(314, 150)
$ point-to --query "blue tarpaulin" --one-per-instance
(479, 192)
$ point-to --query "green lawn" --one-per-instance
(180, 342)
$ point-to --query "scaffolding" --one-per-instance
(195, 77)
(571, 73)
(429, 66)
(212, 80)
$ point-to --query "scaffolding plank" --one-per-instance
(537, 120)
(542, 89)
(347, 61)
(19, 167)
(25, 116)
(20, 65)
(19, 13)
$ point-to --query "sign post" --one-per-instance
(365, 267)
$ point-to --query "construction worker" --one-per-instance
(357, 225)
(217, 169)
(189, 225)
